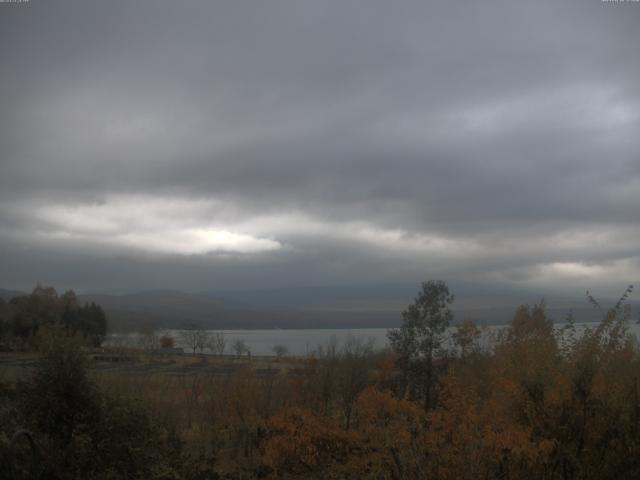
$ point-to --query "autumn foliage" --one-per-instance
(535, 402)
(531, 400)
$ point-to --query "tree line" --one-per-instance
(21, 317)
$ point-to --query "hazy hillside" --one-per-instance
(254, 310)
(174, 309)
(7, 295)
(268, 309)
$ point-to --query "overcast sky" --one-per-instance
(229, 145)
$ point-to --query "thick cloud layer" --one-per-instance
(229, 145)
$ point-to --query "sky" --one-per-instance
(236, 145)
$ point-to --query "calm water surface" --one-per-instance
(307, 341)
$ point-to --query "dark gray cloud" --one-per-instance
(234, 144)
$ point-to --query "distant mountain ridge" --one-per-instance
(175, 309)
(7, 295)
(300, 308)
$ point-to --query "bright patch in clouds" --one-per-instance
(575, 269)
(574, 274)
(170, 226)
(195, 241)
(201, 226)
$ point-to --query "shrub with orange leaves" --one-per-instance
(301, 443)
(390, 426)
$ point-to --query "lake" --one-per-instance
(305, 341)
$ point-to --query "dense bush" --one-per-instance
(81, 432)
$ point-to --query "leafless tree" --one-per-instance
(327, 373)
(240, 347)
(353, 374)
(280, 350)
(465, 337)
(147, 338)
(194, 337)
(217, 343)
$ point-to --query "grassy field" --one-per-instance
(16, 365)
(216, 404)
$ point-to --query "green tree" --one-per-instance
(93, 323)
(419, 340)
(88, 320)
(59, 401)
(29, 312)
(83, 432)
